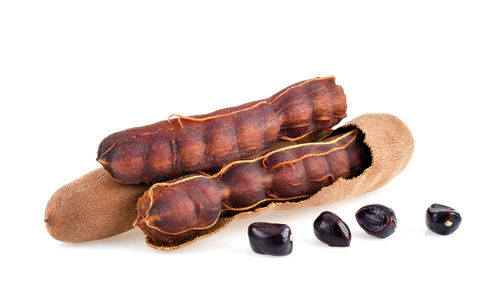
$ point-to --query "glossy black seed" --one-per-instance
(330, 229)
(442, 219)
(270, 238)
(377, 220)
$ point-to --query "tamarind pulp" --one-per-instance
(182, 145)
(184, 206)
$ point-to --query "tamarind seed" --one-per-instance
(442, 219)
(270, 238)
(377, 220)
(332, 230)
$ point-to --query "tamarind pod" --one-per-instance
(390, 143)
(182, 145)
(179, 207)
(92, 207)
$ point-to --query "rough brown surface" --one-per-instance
(92, 207)
(391, 145)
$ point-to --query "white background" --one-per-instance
(72, 72)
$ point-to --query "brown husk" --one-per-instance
(92, 207)
(391, 145)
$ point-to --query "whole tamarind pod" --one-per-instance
(179, 207)
(182, 145)
(359, 157)
(92, 207)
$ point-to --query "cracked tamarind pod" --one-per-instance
(359, 157)
(179, 208)
(184, 145)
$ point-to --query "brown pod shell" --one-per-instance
(92, 207)
(391, 145)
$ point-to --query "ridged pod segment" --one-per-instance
(182, 145)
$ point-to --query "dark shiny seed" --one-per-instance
(377, 220)
(330, 229)
(270, 238)
(442, 219)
